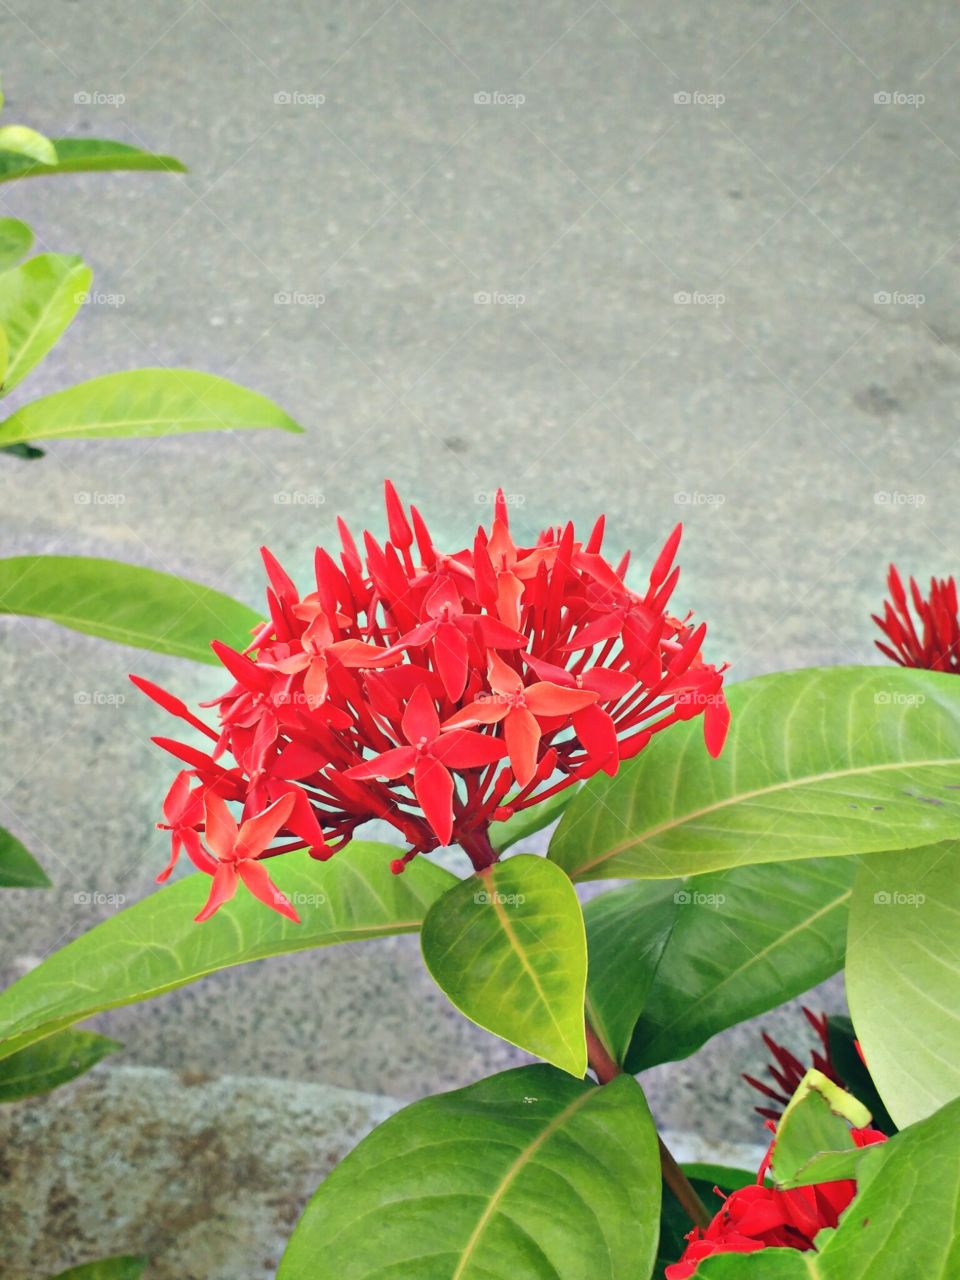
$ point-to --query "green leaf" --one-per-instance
(84, 155)
(901, 1226)
(53, 1062)
(121, 1268)
(826, 761)
(125, 603)
(674, 1223)
(23, 143)
(849, 1067)
(814, 1142)
(528, 1174)
(15, 240)
(745, 941)
(154, 946)
(627, 930)
(18, 868)
(38, 300)
(509, 949)
(143, 402)
(903, 971)
(529, 821)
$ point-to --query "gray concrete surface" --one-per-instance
(804, 430)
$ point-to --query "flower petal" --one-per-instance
(222, 889)
(220, 826)
(256, 833)
(547, 699)
(434, 790)
(450, 656)
(522, 734)
(420, 720)
(461, 749)
(254, 876)
(389, 764)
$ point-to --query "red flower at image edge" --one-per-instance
(936, 646)
(760, 1217)
(438, 692)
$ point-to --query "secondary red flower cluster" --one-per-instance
(437, 691)
(936, 647)
(788, 1071)
(762, 1217)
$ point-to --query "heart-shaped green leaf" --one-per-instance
(528, 1174)
(143, 402)
(830, 761)
(51, 1063)
(15, 240)
(903, 977)
(744, 941)
(86, 155)
(126, 604)
(121, 1268)
(18, 868)
(38, 300)
(509, 949)
(154, 946)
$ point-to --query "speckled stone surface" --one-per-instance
(739, 312)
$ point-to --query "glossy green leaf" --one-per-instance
(143, 402)
(15, 240)
(901, 1226)
(154, 946)
(826, 761)
(120, 1268)
(38, 300)
(529, 821)
(22, 143)
(627, 930)
(745, 940)
(529, 1174)
(51, 1063)
(125, 603)
(85, 155)
(846, 1059)
(674, 1223)
(903, 977)
(814, 1140)
(509, 949)
(18, 868)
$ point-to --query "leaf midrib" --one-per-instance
(742, 796)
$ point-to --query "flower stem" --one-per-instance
(605, 1069)
(476, 845)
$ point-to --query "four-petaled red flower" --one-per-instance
(936, 647)
(236, 850)
(439, 692)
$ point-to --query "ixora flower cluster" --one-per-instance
(936, 646)
(764, 1217)
(440, 692)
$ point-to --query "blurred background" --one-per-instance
(663, 261)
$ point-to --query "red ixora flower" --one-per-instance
(936, 646)
(762, 1217)
(788, 1070)
(438, 692)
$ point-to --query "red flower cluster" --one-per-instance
(937, 647)
(788, 1070)
(438, 692)
(761, 1217)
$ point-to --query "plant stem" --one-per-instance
(476, 845)
(605, 1069)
